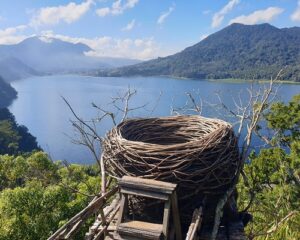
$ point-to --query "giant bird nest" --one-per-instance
(199, 154)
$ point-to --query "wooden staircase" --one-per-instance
(146, 188)
(114, 223)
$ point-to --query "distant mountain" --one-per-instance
(237, 51)
(37, 55)
(13, 69)
(7, 93)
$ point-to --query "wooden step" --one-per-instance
(146, 187)
(141, 230)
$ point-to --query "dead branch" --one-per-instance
(251, 115)
(87, 130)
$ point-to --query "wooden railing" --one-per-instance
(68, 230)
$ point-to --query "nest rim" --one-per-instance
(144, 144)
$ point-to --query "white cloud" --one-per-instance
(219, 16)
(102, 12)
(12, 35)
(117, 8)
(67, 13)
(265, 15)
(129, 26)
(296, 15)
(164, 15)
(106, 46)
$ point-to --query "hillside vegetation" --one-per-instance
(237, 51)
(36, 194)
(7, 93)
(271, 191)
(14, 138)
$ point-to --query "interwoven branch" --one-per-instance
(200, 154)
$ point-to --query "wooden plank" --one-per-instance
(176, 217)
(166, 218)
(123, 205)
(101, 232)
(147, 184)
(96, 227)
(195, 224)
(103, 220)
(152, 227)
(74, 229)
(93, 206)
(141, 230)
(142, 193)
(111, 228)
(139, 234)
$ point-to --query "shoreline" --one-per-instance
(223, 80)
(228, 80)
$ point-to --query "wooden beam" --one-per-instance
(101, 232)
(144, 193)
(93, 207)
(166, 218)
(123, 207)
(176, 217)
(147, 184)
(195, 224)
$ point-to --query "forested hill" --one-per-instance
(7, 93)
(14, 138)
(237, 51)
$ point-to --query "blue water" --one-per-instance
(40, 106)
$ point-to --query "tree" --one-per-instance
(272, 191)
(14, 138)
(9, 139)
(38, 196)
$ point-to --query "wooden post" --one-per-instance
(123, 208)
(103, 175)
(195, 224)
(166, 218)
(176, 216)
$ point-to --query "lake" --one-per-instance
(40, 107)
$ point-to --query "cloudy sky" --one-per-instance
(140, 29)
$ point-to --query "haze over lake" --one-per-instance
(39, 105)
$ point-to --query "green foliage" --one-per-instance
(285, 119)
(273, 178)
(7, 93)
(237, 51)
(8, 137)
(38, 196)
(14, 138)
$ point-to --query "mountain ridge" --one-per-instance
(43, 55)
(237, 51)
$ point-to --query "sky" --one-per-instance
(137, 29)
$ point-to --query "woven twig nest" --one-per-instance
(200, 154)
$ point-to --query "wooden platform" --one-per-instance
(111, 223)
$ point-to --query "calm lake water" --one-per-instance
(40, 107)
